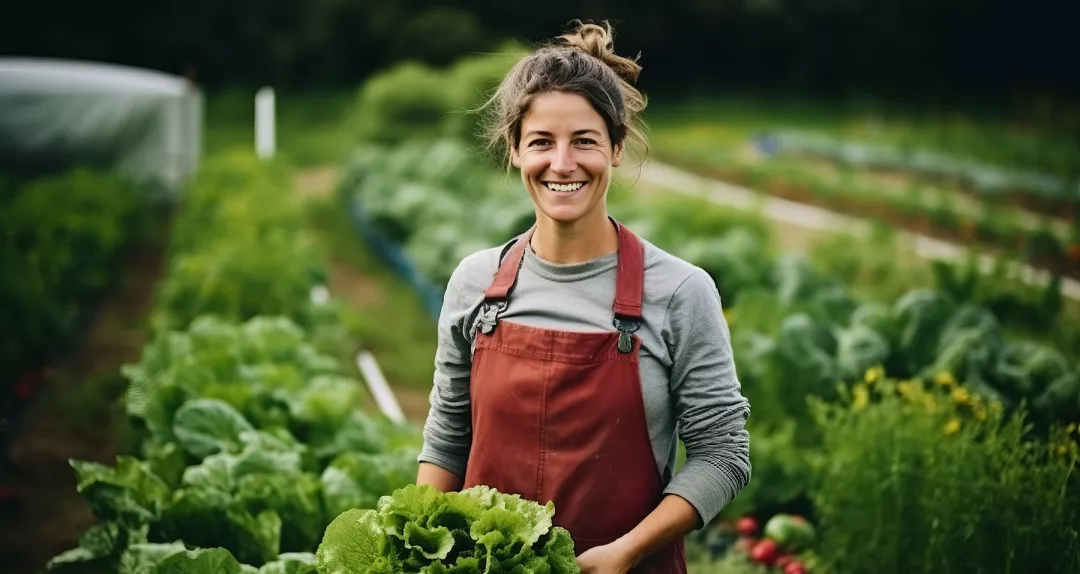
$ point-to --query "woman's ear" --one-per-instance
(617, 155)
(515, 157)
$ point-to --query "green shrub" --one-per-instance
(916, 479)
(60, 238)
(240, 249)
(412, 99)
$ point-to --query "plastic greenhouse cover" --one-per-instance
(58, 113)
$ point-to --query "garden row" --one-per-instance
(851, 395)
(63, 237)
(251, 435)
(1024, 212)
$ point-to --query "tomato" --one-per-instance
(764, 552)
(783, 560)
(795, 567)
(747, 526)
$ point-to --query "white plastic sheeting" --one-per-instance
(56, 114)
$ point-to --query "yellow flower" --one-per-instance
(905, 388)
(873, 374)
(980, 413)
(953, 426)
(960, 395)
(929, 403)
(945, 379)
(1071, 428)
(996, 407)
(860, 398)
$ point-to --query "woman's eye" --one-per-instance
(540, 142)
(586, 141)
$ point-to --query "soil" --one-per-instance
(75, 415)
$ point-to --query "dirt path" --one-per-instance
(359, 290)
(75, 415)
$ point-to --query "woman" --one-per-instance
(568, 357)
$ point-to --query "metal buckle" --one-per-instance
(489, 316)
(626, 327)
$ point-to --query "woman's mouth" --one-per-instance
(569, 187)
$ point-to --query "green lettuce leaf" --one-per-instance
(208, 426)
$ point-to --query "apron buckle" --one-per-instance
(626, 329)
(489, 316)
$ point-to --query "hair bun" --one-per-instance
(599, 41)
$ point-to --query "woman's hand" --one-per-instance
(613, 558)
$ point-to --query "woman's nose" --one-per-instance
(563, 160)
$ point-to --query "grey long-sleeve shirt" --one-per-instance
(688, 378)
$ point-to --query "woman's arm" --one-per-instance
(707, 398)
(443, 480)
(448, 428)
(673, 519)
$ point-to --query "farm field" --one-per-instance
(980, 182)
(908, 416)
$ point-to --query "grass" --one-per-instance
(393, 323)
(308, 124)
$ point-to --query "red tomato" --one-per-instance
(783, 561)
(764, 552)
(747, 526)
(795, 567)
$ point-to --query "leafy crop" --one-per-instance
(252, 435)
(419, 529)
(239, 249)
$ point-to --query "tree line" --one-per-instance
(910, 48)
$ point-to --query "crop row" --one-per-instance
(251, 435)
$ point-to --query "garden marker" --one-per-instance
(264, 122)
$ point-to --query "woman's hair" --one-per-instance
(582, 62)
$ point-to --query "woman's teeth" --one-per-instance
(565, 187)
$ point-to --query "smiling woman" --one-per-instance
(575, 389)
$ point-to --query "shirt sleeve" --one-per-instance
(448, 428)
(707, 396)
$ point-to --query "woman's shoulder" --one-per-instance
(669, 276)
(474, 273)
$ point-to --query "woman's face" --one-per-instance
(565, 157)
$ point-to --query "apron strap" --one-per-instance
(500, 288)
(629, 283)
(630, 276)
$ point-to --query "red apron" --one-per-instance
(558, 415)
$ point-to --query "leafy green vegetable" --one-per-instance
(419, 529)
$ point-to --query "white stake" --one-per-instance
(264, 123)
(384, 397)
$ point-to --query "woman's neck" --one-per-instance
(586, 239)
